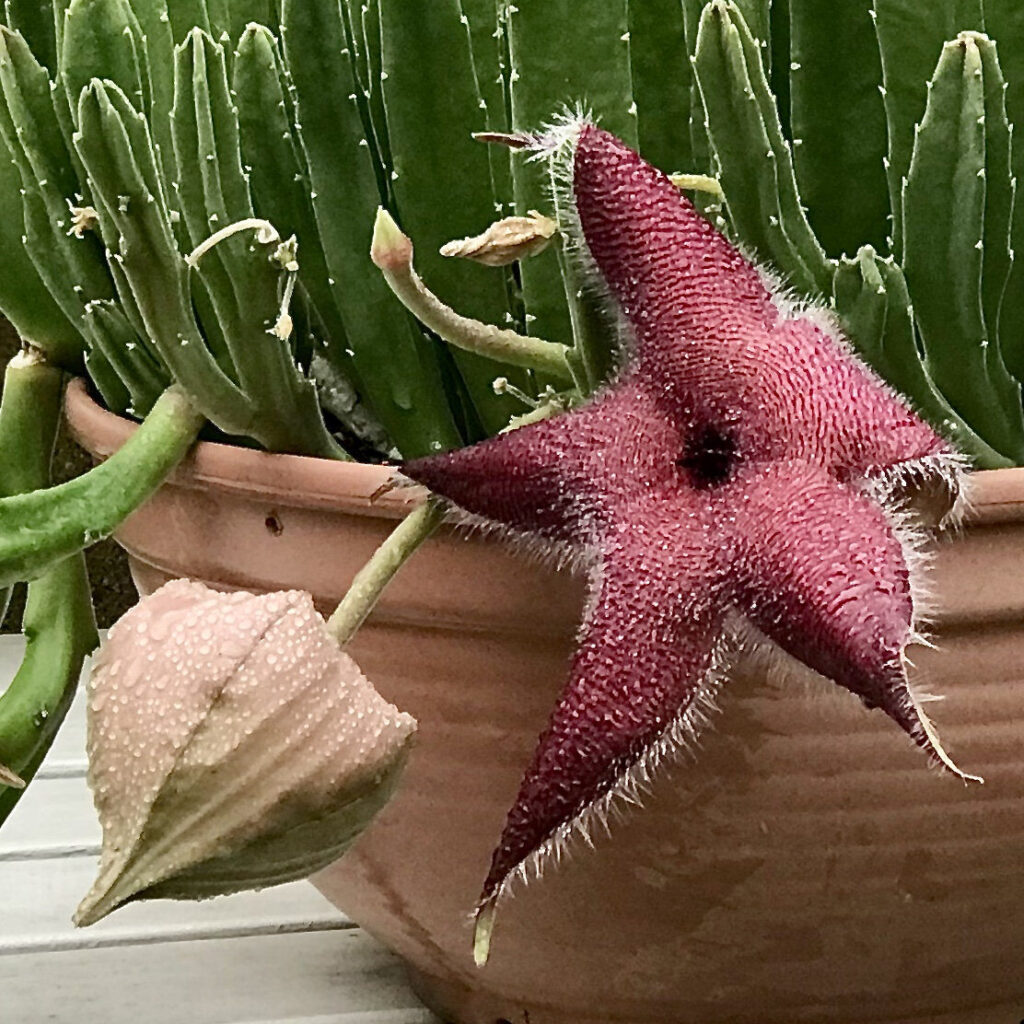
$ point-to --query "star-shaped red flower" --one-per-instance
(742, 471)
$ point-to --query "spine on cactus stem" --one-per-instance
(837, 123)
(661, 82)
(490, 60)
(34, 19)
(58, 620)
(240, 14)
(1004, 22)
(129, 44)
(102, 39)
(958, 190)
(278, 175)
(72, 268)
(364, 36)
(411, 405)
(186, 15)
(115, 146)
(24, 299)
(144, 379)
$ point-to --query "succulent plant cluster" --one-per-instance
(187, 200)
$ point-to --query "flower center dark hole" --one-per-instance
(709, 456)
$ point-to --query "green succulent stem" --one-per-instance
(370, 581)
(58, 622)
(391, 252)
(40, 528)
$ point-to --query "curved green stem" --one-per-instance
(58, 622)
(391, 251)
(378, 572)
(41, 528)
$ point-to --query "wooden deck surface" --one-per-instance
(282, 956)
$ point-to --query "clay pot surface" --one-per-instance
(804, 866)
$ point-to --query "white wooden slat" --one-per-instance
(37, 898)
(217, 981)
(68, 750)
(55, 816)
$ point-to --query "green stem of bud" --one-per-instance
(378, 572)
(58, 621)
(391, 251)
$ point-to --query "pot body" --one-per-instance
(805, 866)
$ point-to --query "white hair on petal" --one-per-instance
(556, 142)
(677, 740)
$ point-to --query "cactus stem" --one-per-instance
(391, 251)
(266, 233)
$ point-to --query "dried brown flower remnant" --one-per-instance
(232, 745)
(506, 241)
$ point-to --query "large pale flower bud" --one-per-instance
(232, 745)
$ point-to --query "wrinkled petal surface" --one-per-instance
(643, 659)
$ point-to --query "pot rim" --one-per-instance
(300, 481)
(303, 481)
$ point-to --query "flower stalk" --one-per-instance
(370, 581)
(391, 251)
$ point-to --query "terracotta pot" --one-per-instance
(806, 867)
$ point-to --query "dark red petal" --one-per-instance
(819, 570)
(672, 273)
(558, 476)
(645, 651)
(842, 415)
(710, 337)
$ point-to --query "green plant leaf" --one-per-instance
(838, 123)
(34, 19)
(755, 162)
(241, 278)
(72, 269)
(186, 15)
(24, 299)
(910, 39)
(442, 177)
(1004, 21)
(945, 217)
(662, 82)
(397, 366)
(871, 299)
(554, 61)
(278, 175)
(701, 155)
(103, 39)
(116, 148)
